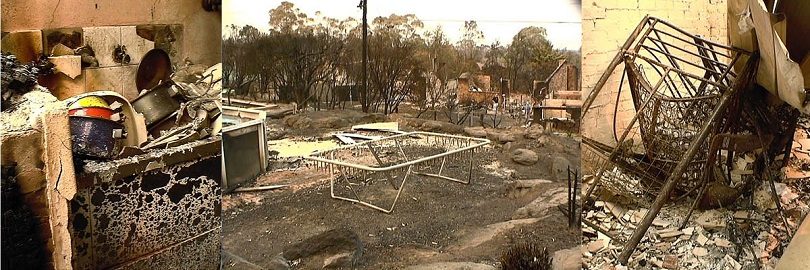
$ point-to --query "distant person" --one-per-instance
(495, 103)
(527, 107)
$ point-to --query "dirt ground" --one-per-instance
(434, 221)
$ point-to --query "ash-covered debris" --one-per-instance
(19, 78)
(24, 109)
(103, 167)
(22, 246)
(199, 109)
(742, 236)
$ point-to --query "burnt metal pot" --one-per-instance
(157, 104)
(155, 67)
(94, 137)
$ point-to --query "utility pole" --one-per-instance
(365, 56)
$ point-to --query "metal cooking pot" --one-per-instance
(157, 104)
(94, 137)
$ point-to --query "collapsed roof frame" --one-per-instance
(674, 116)
(389, 159)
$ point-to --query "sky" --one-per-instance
(499, 20)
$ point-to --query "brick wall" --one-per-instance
(606, 24)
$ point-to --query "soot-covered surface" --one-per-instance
(22, 244)
(154, 220)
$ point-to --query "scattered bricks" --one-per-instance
(711, 220)
(663, 246)
(670, 262)
(669, 233)
(720, 242)
(700, 252)
(701, 239)
(597, 246)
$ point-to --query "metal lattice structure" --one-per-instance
(676, 80)
(395, 159)
(685, 92)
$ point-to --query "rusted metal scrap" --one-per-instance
(690, 77)
(698, 104)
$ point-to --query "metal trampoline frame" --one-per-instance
(326, 160)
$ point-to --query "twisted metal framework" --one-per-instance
(357, 165)
(690, 74)
(665, 147)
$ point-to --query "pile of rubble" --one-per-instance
(713, 239)
(749, 234)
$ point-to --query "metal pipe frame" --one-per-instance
(651, 25)
(464, 144)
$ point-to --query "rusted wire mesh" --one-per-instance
(682, 104)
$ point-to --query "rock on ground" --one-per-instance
(479, 132)
(560, 168)
(500, 136)
(337, 240)
(439, 126)
(524, 156)
(331, 122)
(298, 121)
(567, 259)
(540, 206)
(534, 132)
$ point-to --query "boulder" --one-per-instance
(372, 118)
(500, 136)
(331, 122)
(534, 132)
(560, 168)
(479, 132)
(298, 121)
(440, 127)
(567, 259)
(524, 156)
